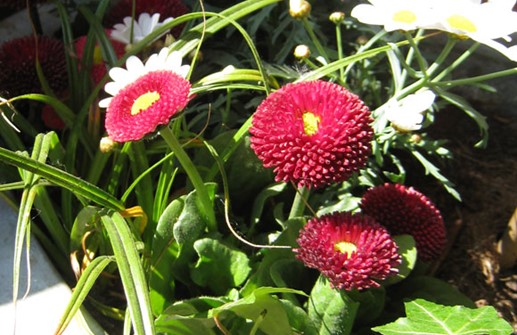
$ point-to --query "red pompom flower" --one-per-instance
(18, 62)
(352, 251)
(312, 133)
(145, 96)
(404, 210)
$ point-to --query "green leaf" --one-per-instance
(331, 310)
(407, 250)
(266, 311)
(424, 317)
(131, 273)
(164, 252)
(219, 267)
(432, 289)
(298, 319)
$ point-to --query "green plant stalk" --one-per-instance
(300, 199)
(409, 58)
(193, 175)
(457, 62)
(339, 41)
(314, 38)
(420, 58)
(485, 77)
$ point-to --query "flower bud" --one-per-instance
(361, 40)
(299, 9)
(107, 145)
(302, 51)
(337, 17)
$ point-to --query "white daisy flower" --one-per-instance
(482, 22)
(145, 25)
(394, 14)
(408, 114)
(135, 68)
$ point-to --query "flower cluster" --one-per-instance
(312, 133)
(352, 251)
(404, 210)
(479, 20)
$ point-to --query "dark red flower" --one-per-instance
(98, 67)
(18, 64)
(51, 119)
(312, 133)
(352, 251)
(166, 8)
(404, 210)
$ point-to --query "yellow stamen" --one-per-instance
(310, 123)
(345, 247)
(404, 16)
(144, 101)
(460, 22)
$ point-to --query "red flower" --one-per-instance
(98, 67)
(352, 251)
(166, 8)
(312, 133)
(404, 210)
(18, 63)
(145, 96)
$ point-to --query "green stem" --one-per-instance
(193, 174)
(314, 39)
(339, 42)
(482, 78)
(456, 63)
(302, 193)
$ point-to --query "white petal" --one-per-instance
(104, 103)
(118, 74)
(113, 87)
(135, 67)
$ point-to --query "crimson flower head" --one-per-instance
(352, 251)
(18, 63)
(404, 210)
(166, 9)
(145, 96)
(312, 133)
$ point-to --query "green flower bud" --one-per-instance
(337, 17)
(302, 51)
(299, 9)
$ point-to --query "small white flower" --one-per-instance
(394, 14)
(408, 114)
(135, 68)
(145, 25)
(482, 22)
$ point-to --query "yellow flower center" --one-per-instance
(97, 55)
(310, 123)
(461, 23)
(404, 16)
(144, 101)
(345, 247)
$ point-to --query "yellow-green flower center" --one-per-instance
(144, 101)
(404, 16)
(310, 123)
(345, 247)
(461, 23)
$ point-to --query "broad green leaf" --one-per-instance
(164, 252)
(219, 267)
(331, 310)
(407, 250)
(266, 311)
(424, 317)
(298, 318)
(371, 305)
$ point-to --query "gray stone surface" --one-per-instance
(40, 311)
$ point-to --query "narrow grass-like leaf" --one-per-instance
(76, 185)
(81, 290)
(131, 273)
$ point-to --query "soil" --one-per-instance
(486, 179)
